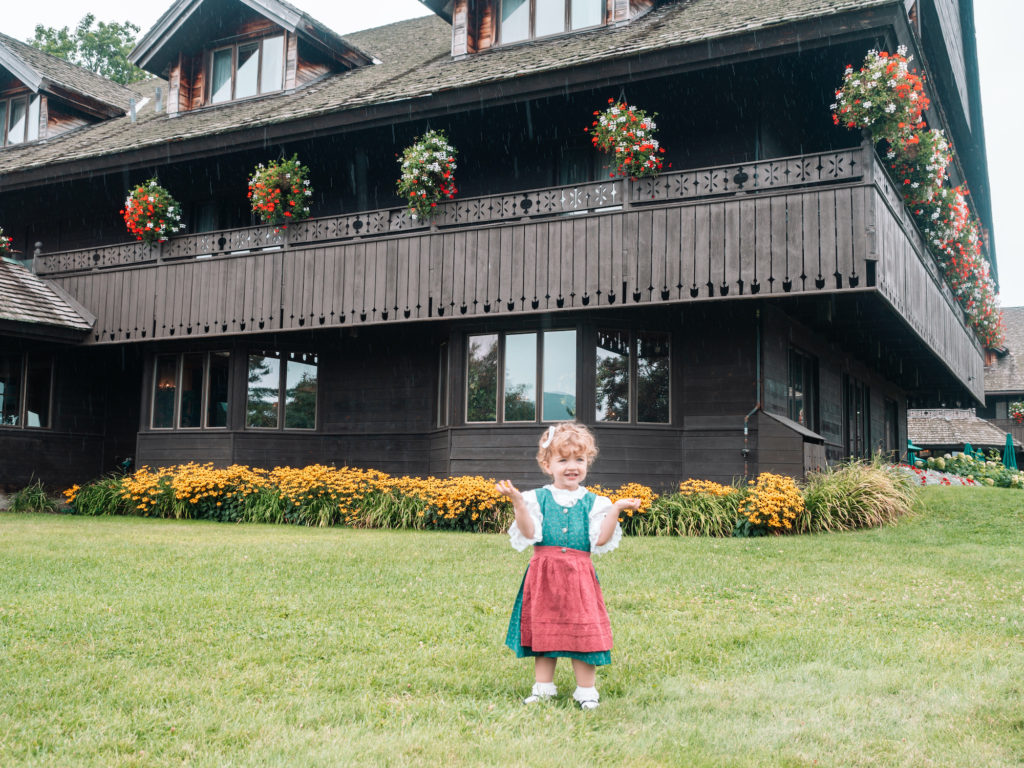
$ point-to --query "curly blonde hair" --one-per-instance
(566, 438)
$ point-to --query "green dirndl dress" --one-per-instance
(567, 527)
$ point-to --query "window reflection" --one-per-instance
(217, 399)
(612, 376)
(300, 392)
(192, 374)
(10, 389)
(559, 375)
(482, 378)
(263, 391)
(520, 391)
(652, 377)
(38, 380)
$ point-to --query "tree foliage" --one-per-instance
(95, 45)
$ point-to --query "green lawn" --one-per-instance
(140, 642)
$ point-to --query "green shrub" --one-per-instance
(33, 498)
(858, 494)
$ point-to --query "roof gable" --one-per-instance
(190, 25)
(41, 72)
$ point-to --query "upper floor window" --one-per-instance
(247, 69)
(525, 19)
(19, 120)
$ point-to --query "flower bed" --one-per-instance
(961, 469)
(318, 495)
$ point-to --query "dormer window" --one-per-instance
(526, 19)
(19, 120)
(247, 69)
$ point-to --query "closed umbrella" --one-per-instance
(969, 450)
(1009, 459)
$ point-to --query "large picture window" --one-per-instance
(536, 371)
(632, 377)
(802, 390)
(281, 390)
(247, 69)
(26, 384)
(19, 120)
(525, 19)
(190, 391)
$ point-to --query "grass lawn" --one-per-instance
(140, 642)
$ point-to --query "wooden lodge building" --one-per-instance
(764, 304)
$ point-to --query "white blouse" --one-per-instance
(565, 498)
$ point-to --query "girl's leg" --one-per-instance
(544, 669)
(586, 674)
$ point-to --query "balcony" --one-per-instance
(811, 225)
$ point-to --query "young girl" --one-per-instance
(560, 611)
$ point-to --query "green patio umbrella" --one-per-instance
(969, 450)
(1009, 459)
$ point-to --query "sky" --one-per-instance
(998, 24)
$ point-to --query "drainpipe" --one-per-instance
(757, 394)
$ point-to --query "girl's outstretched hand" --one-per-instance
(628, 504)
(505, 488)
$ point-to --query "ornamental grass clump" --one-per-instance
(428, 174)
(627, 134)
(33, 498)
(151, 214)
(857, 494)
(280, 192)
(772, 505)
(700, 508)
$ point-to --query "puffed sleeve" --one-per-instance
(598, 512)
(517, 540)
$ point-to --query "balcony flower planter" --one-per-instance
(280, 191)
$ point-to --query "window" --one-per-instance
(442, 385)
(26, 382)
(537, 372)
(892, 430)
(190, 391)
(856, 421)
(247, 69)
(281, 390)
(632, 377)
(525, 19)
(19, 120)
(802, 390)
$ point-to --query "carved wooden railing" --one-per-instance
(738, 179)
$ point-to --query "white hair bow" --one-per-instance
(548, 437)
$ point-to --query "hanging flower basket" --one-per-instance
(627, 134)
(151, 214)
(918, 161)
(5, 244)
(1017, 411)
(884, 96)
(280, 192)
(428, 174)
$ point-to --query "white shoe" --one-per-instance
(541, 692)
(587, 698)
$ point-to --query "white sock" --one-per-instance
(586, 694)
(545, 689)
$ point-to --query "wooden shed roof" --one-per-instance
(415, 68)
(1006, 374)
(32, 306)
(951, 427)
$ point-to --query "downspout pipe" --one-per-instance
(757, 393)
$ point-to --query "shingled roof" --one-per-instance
(416, 64)
(43, 72)
(952, 428)
(1006, 374)
(35, 307)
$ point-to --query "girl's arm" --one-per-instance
(611, 519)
(523, 519)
